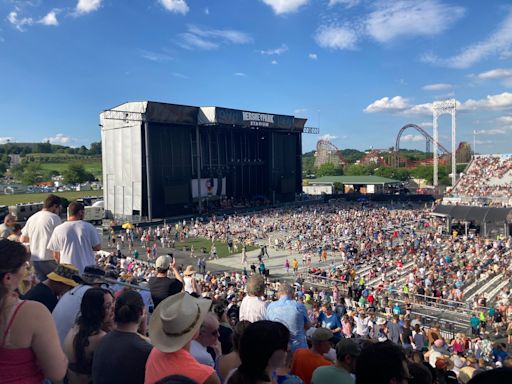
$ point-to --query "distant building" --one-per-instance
(373, 157)
(14, 159)
(349, 184)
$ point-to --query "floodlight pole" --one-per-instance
(439, 108)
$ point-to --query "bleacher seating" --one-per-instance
(488, 176)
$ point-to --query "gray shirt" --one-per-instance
(5, 231)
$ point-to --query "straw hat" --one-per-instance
(381, 321)
(64, 274)
(189, 271)
(176, 320)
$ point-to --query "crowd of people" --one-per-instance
(72, 314)
(488, 176)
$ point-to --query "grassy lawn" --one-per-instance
(198, 243)
(37, 197)
(92, 166)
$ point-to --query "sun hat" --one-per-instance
(176, 320)
(322, 334)
(92, 274)
(381, 321)
(64, 274)
(189, 271)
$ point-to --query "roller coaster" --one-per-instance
(429, 140)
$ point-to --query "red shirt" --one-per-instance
(162, 364)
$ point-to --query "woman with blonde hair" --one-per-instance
(189, 281)
(458, 344)
(29, 345)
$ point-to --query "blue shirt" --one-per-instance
(330, 322)
(294, 316)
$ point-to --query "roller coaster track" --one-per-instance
(425, 134)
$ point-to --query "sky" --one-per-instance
(357, 69)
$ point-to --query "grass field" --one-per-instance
(38, 197)
(92, 166)
(198, 243)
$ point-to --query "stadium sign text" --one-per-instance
(258, 119)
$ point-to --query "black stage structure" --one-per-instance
(162, 160)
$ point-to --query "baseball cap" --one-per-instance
(322, 334)
(163, 262)
(347, 347)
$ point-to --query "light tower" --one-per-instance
(440, 108)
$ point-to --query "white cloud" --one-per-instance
(336, 37)
(419, 109)
(19, 23)
(299, 111)
(491, 132)
(50, 19)
(59, 138)
(499, 101)
(395, 104)
(155, 56)
(7, 139)
(496, 44)
(497, 73)
(403, 18)
(505, 119)
(399, 104)
(313, 56)
(426, 124)
(345, 3)
(437, 87)
(276, 51)
(274, 62)
(483, 142)
(285, 6)
(412, 138)
(87, 6)
(239, 74)
(209, 39)
(328, 137)
(180, 75)
(191, 41)
(176, 6)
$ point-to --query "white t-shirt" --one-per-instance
(253, 309)
(201, 354)
(75, 241)
(67, 309)
(39, 229)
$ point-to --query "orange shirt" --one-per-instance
(161, 364)
(305, 361)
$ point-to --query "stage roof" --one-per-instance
(469, 213)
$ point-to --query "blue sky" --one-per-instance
(357, 69)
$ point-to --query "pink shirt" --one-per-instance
(162, 364)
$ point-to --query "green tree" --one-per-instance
(328, 169)
(393, 173)
(359, 170)
(95, 148)
(76, 173)
(45, 147)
